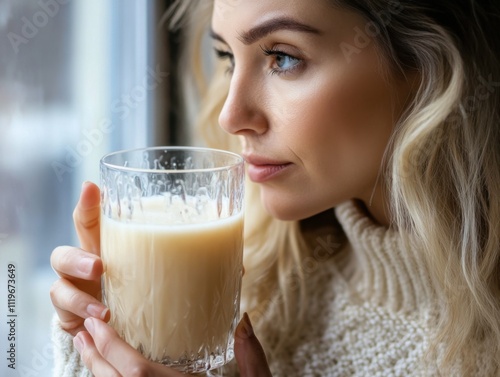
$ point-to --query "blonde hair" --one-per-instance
(443, 175)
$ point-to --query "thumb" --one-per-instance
(249, 353)
(86, 218)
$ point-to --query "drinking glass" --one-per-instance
(171, 245)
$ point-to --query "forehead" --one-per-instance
(226, 10)
(233, 19)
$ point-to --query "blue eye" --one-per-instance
(283, 63)
(286, 62)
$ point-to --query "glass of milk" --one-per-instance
(172, 244)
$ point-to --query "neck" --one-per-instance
(375, 206)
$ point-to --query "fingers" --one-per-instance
(84, 343)
(249, 353)
(73, 305)
(86, 218)
(109, 347)
(75, 296)
(72, 262)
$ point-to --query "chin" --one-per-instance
(297, 206)
(286, 211)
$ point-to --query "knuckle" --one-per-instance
(56, 255)
(71, 258)
(63, 260)
(139, 370)
(54, 290)
(88, 357)
(85, 220)
(75, 303)
(62, 257)
(90, 223)
(75, 215)
(104, 342)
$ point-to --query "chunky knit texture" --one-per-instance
(372, 312)
(67, 360)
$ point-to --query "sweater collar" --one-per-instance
(387, 271)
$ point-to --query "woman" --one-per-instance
(389, 114)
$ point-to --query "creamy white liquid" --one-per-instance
(172, 289)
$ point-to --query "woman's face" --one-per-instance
(312, 101)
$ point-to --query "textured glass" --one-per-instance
(172, 243)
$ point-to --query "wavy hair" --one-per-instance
(443, 174)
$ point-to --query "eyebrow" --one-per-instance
(267, 27)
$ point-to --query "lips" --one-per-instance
(261, 169)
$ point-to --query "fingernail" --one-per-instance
(85, 265)
(77, 342)
(85, 184)
(247, 325)
(104, 314)
(89, 325)
(97, 311)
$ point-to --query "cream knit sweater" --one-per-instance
(372, 312)
(371, 308)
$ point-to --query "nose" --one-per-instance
(243, 111)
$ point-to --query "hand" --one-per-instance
(106, 355)
(76, 295)
(250, 356)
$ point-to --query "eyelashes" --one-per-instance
(226, 55)
(281, 62)
(284, 63)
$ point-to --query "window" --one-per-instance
(78, 79)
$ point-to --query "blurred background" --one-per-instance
(78, 79)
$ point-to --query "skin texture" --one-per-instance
(314, 125)
(330, 117)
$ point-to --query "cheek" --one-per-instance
(349, 114)
(339, 128)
